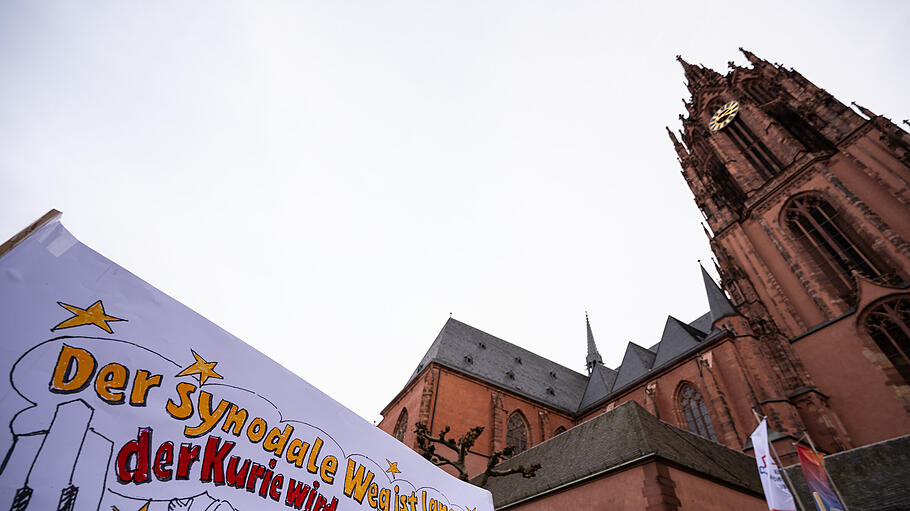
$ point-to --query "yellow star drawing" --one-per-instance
(92, 315)
(204, 369)
(145, 507)
(393, 468)
(470, 508)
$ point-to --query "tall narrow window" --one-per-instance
(517, 433)
(752, 148)
(830, 241)
(401, 427)
(759, 91)
(695, 411)
(889, 326)
(798, 128)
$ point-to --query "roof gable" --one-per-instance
(600, 382)
(635, 363)
(677, 339)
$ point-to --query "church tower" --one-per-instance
(808, 206)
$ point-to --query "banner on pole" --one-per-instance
(776, 493)
(812, 465)
(115, 396)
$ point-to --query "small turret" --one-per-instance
(593, 357)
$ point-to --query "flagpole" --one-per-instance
(828, 475)
(780, 468)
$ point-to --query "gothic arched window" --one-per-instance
(889, 326)
(695, 411)
(560, 429)
(401, 427)
(517, 433)
(754, 150)
(797, 127)
(831, 242)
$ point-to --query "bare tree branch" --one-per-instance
(426, 444)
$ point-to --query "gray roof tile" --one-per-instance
(702, 323)
(870, 478)
(635, 363)
(477, 353)
(626, 433)
(677, 339)
(599, 384)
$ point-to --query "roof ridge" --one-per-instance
(691, 330)
(641, 427)
(685, 436)
(525, 350)
(682, 434)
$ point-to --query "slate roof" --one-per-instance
(635, 363)
(624, 434)
(677, 339)
(870, 478)
(477, 353)
(600, 383)
(702, 323)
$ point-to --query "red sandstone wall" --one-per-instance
(858, 390)
(410, 400)
(618, 492)
(461, 402)
(700, 494)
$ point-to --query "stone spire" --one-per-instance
(756, 62)
(718, 302)
(698, 76)
(593, 357)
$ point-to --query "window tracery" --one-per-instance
(889, 326)
(695, 411)
(401, 427)
(830, 241)
(517, 433)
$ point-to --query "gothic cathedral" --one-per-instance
(807, 205)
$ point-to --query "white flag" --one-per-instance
(776, 492)
(115, 396)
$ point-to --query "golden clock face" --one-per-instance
(723, 116)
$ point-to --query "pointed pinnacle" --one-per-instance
(680, 149)
(718, 303)
(751, 57)
(868, 113)
(593, 357)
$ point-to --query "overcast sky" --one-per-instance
(329, 180)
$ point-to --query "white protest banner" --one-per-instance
(776, 492)
(115, 396)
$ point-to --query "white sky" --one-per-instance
(328, 180)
